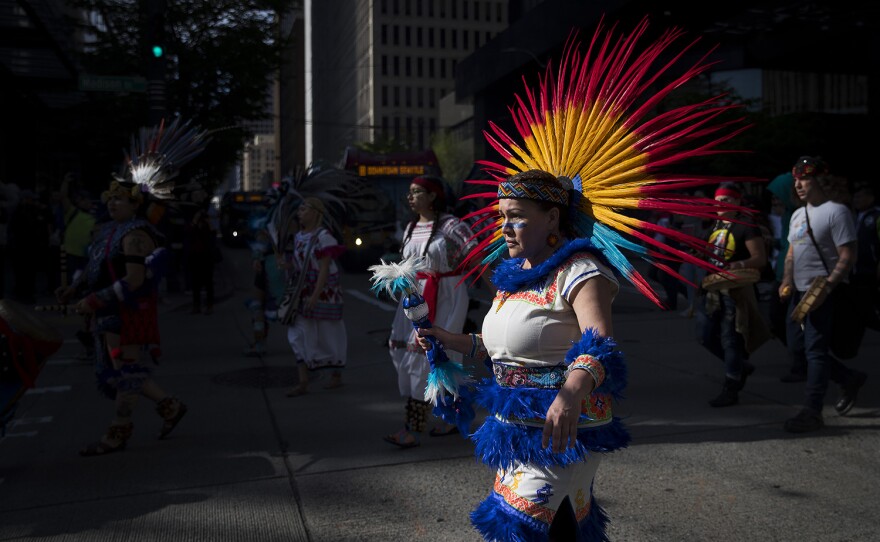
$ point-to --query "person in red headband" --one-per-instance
(443, 240)
(738, 245)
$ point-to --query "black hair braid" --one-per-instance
(431, 236)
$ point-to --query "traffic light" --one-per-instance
(158, 51)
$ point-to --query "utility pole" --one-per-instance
(153, 49)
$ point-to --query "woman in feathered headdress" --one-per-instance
(589, 155)
(121, 280)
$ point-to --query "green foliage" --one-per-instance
(220, 58)
(383, 145)
(456, 157)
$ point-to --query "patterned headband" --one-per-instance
(533, 191)
(127, 190)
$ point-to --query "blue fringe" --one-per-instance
(503, 445)
(509, 276)
(603, 349)
(460, 412)
(498, 521)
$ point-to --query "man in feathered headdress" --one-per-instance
(121, 280)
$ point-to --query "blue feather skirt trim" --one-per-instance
(502, 444)
(498, 521)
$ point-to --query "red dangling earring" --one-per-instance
(552, 240)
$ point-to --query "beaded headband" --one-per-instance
(533, 191)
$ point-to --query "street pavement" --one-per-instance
(250, 464)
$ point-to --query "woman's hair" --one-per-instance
(439, 206)
(542, 178)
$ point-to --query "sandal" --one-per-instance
(335, 382)
(441, 432)
(118, 433)
(101, 448)
(400, 439)
(298, 391)
(171, 420)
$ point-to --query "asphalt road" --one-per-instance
(249, 463)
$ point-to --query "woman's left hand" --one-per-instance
(562, 421)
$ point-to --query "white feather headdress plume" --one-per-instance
(158, 153)
(397, 278)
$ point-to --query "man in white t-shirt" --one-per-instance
(822, 243)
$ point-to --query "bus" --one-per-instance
(374, 229)
(237, 208)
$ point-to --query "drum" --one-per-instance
(730, 279)
(813, 297)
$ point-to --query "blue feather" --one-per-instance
(497, 520)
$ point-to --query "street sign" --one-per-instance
(112, 83)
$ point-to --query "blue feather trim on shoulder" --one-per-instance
(509, 276)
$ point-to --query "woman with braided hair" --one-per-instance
(443, 240)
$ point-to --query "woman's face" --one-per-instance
(420, 200)
(307, 215)
(121, 208)
(526, 226)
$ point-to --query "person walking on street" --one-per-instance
(317, 336)
(202, 254)
(729, 324)
(443, 240)
(821, 253)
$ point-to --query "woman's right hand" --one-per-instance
(437, 332)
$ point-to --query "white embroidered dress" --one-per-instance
(448, 246)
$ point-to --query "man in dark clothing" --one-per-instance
(737, 246)
(865, 278)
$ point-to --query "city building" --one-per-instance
(258, 163)
(376, 70)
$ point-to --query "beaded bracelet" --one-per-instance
(591, 365)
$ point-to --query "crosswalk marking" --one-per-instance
(371, 300)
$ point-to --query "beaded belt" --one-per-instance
(515, 376)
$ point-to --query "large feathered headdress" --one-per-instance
(155, 158)
(590, 125)
(337, 189)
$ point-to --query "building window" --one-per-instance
(406, 37)
(395, 35)
(408, 67)
(499, 13)
(420, 97)
(476, 10)
(454, 65)
(455, 39)
(430, 8)
(385, 126)
(432, 125)
(419, 36)
(406, 6)
(409, 129)
(442, 68)
(432, 97)
(488, 36)
(464, 9)
(430, 67)
(384, 39)
(384, 65)
(419, 8)
(395, 7)
(443, 38)
(384, 7)
(408, 96)
(465, 41)
(396, 96)
(384, 96)
(442, 8)
(421, 130)
(454, 9)
(397, 128)
(430, 35)
(476, 39)
(419, 67)
(396, 65)
(488, 12)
